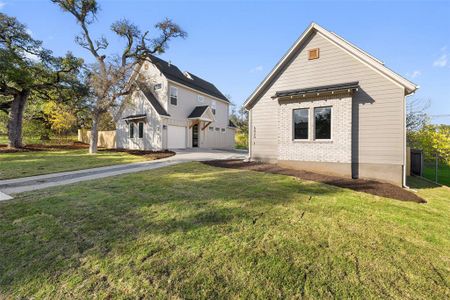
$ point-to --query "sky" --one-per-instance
(235, 44)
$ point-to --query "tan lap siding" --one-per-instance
(377, 110)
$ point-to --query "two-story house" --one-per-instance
(172, 109)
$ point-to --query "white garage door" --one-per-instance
(176, 137)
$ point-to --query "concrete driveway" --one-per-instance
(19, 185)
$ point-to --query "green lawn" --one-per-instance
(195, 231)
(21, 164)
(429, 172)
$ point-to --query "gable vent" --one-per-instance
(313, 54)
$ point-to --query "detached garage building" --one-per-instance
(330, 107)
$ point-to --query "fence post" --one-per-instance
(436, 168)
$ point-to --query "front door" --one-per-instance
(195, 135)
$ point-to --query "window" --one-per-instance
(300, 119)
(131, 130)
(211, 128)
(222, 129)
(322, 125)
(200, 99)
(157, 86)
(141, 130)
(173, 95)
(217, 129)
(313, 54)
(213, 107)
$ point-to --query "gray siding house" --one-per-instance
(330, 107)
(172, 109)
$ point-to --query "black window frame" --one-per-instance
(131, 130)
(141, 130)
(329, 135)
(294, 129)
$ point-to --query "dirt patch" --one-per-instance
(360, 185)
(148, 154)
(44, 147)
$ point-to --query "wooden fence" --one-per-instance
(106, 139)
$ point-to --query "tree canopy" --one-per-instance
(110, 77)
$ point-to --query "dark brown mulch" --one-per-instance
(149, 154)
(44, 147)
(79, 145)
(360, 185)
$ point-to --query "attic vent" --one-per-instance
(187, 75)
(313, 54)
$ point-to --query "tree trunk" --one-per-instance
(15, 119)
(94, 134)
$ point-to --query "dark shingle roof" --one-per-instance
(318, 89)
(173, 73)
(198, 111)
(140, 116)
(153, 101)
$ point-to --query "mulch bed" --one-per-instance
(360, 185)
(78, 145)
(44, 147)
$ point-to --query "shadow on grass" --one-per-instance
(420, 183)
(48, 233)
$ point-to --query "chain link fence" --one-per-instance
(437, 170)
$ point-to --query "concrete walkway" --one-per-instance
(19, 185)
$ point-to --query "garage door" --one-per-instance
(176, 137)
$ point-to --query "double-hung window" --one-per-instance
(300, 117)
(213, 107)
(140, 130)
(173, 95)
(322, 123)
(131, 131)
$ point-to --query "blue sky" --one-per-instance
(234, 44)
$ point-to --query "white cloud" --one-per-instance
(2, 4)
(442, 61)
(256, 69)
(31, 57)
(415, 74)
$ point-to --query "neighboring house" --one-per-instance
(330, 107)
(173, 110)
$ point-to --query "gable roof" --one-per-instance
(173, 73)
(363, 56)
(152, 99)
(199, 113)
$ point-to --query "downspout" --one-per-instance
(250, 135)
(404, 139)
(404, 143)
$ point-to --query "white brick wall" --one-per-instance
(338, 149)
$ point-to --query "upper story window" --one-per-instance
(213, 106)
(173, 95)
(200, 99)
(300, 122)
(131, 131)
(140, 130)
(322, 123)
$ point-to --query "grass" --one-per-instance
(21, 164)
(429, 172)
(195, 231)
